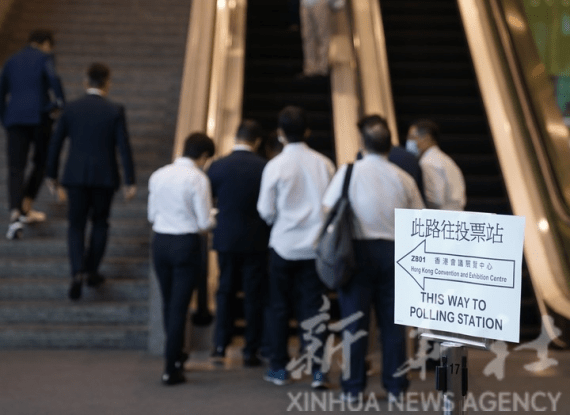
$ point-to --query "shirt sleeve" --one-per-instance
(267, 200)
(434, 186)
(124, 146)
(54, 81)
(334, 189)
(202, 202)
(3, 94)
(151, 208)
(55, 146)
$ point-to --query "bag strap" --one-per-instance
(347, 180)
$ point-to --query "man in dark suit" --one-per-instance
(26, 83)
(240, 238)
(95, 127)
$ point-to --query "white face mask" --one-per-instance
(412, 147)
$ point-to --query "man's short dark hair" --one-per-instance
(427, 127)
(375, 134)
(293, 121)
(98, 74)
(249, 131)
(39, 36)
(197, 144)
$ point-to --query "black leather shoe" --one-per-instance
(218, 355)
(75, 287)
(252, 361)
(179, 364)
(173, 378)
(95, 280)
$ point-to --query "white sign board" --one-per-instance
(459, 272)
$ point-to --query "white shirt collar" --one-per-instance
(94, 91)
(376, 156)
(242, 147)
(185, 160)
(295, 146)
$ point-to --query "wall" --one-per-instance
(4, 7)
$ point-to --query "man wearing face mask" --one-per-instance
(444, 186)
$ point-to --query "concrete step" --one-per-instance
(56, 289)
(143, 43)
(67, 312)
(45, 336)
(56, 229)
(117, 246)
(50, 267)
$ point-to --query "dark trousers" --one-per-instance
(177, 262)
(20, 139)
(246, 271)
(294, 17)
(373, 283)
(294, 287)
(84, 203)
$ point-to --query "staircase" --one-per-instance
(433, 77)
(143, 42)
(274, 58)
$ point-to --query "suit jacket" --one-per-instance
(25, 82)
(96, 128)
(409, 163)
(236, 180)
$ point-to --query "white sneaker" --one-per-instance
(15, 230)
(33, 216)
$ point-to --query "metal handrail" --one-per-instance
(195, 89)
(523, 180)
(556, 178)
(372, 62)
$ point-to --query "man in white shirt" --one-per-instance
(179, 208)
(444, 185)
(292, 186)
(377, 187)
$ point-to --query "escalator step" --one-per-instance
(431, 86)
(440, 104)
(436, 70)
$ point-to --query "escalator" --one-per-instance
(274, 60)
(432, 76)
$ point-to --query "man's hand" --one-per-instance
(130, 192)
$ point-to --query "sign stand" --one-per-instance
(458, 275)
(451, 376)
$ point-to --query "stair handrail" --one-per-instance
(212, 82)
(227, 79)
(372, 61)
(507, 125)
(554, 164)
(344, 91)
(195, 88)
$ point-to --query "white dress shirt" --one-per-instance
(180, 199)
(444, 186)
(377, 187)
(292, 187)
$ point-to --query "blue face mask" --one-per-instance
(412, 147)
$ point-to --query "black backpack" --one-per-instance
(334, 247)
